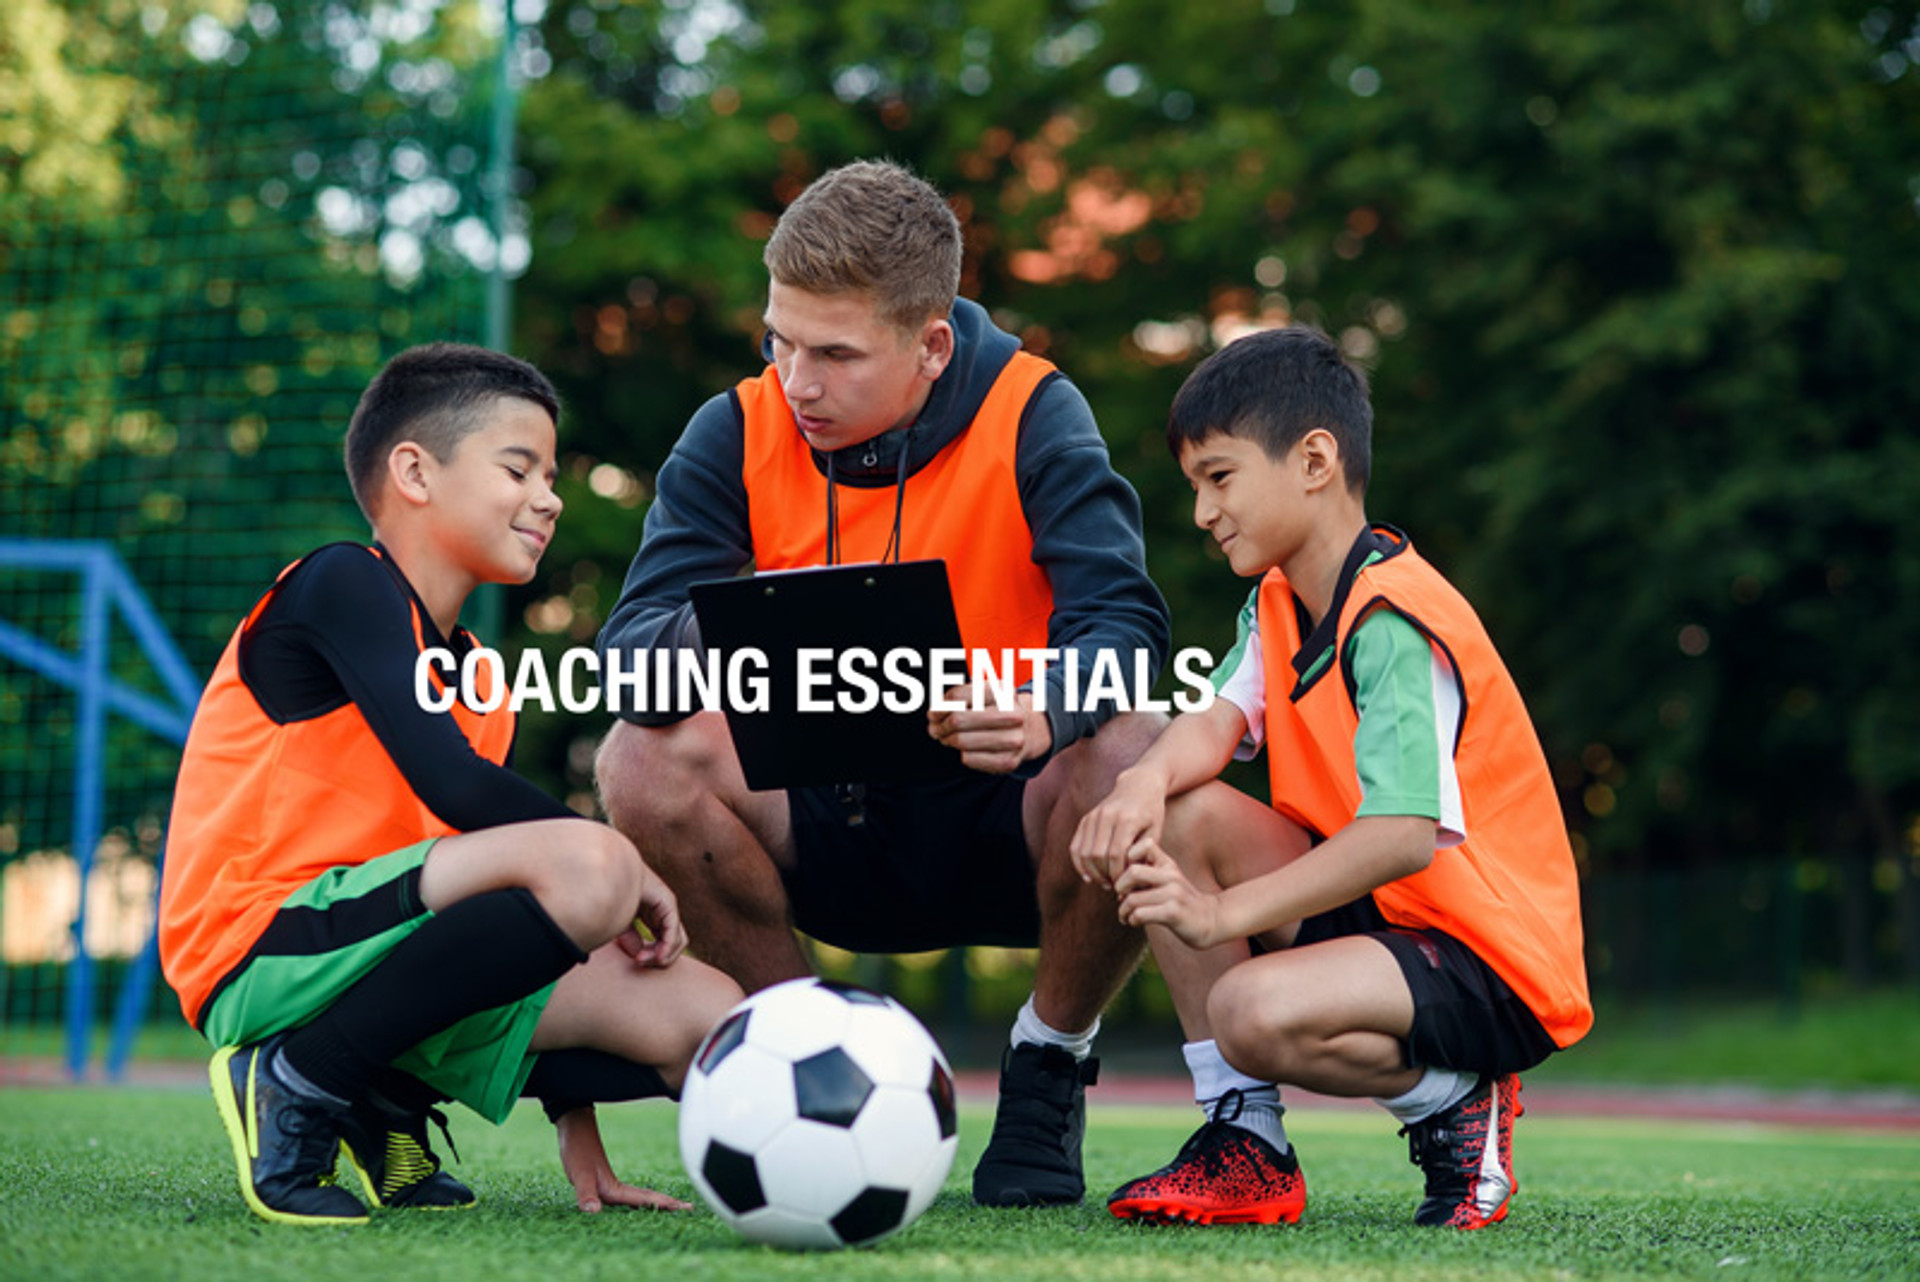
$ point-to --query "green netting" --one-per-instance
(217, 219)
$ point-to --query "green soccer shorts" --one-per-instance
(349, 919)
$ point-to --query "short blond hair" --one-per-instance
(871, 225)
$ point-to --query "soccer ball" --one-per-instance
(818, 1114)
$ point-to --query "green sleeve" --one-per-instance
(1397, 745)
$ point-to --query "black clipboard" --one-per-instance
(878, 607)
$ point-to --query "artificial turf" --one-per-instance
(138, 1183)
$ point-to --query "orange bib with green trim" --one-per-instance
(262, 808)
(1511, 891)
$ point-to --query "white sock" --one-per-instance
(1213, 1077)
(1029, 1027)
(1438, 1088)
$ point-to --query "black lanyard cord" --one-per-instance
(894, 544)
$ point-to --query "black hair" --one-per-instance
(1273, 387)
(427, 394)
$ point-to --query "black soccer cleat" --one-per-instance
(1467, 1154)
(1033, 1156)
(387, 1147)
(285, 1145)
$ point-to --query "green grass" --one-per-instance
(138, 1183)
(1840, 1042)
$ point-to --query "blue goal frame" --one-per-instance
(106, 589)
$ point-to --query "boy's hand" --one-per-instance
(659, 914)
(994, 741)
(1154, 892)
(1109, 834)
(584, 1158)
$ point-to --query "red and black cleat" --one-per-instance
(1467, 1154)
(1224, 1174)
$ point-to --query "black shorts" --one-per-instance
(1464, 1015)
(905, 868)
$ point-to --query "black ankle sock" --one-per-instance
(402, 1092)
(296, 1081)
(480, 953)
(564, 1080)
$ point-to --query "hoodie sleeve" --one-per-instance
(1085, 520)
(696, 529)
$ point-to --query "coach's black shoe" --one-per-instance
(285, 1145)
(1033, 1156)
(1467, 1154)
(387, 1147)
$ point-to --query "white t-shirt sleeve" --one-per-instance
(1241, 679)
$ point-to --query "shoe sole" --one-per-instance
(1014, 1198)
(373, 1193)
(1156, 1210)
(220, 1075)
(1482, 1222)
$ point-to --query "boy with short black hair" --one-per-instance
(362, 906)
(1404, 921)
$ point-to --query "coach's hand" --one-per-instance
(992, 740)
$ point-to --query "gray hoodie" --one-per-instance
(1084, 517)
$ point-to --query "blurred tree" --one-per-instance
(217, 219)
(1627, 275)
(1647, 255)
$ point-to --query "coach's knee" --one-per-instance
(1074, 782)
(1114, 746)
(653, 778)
